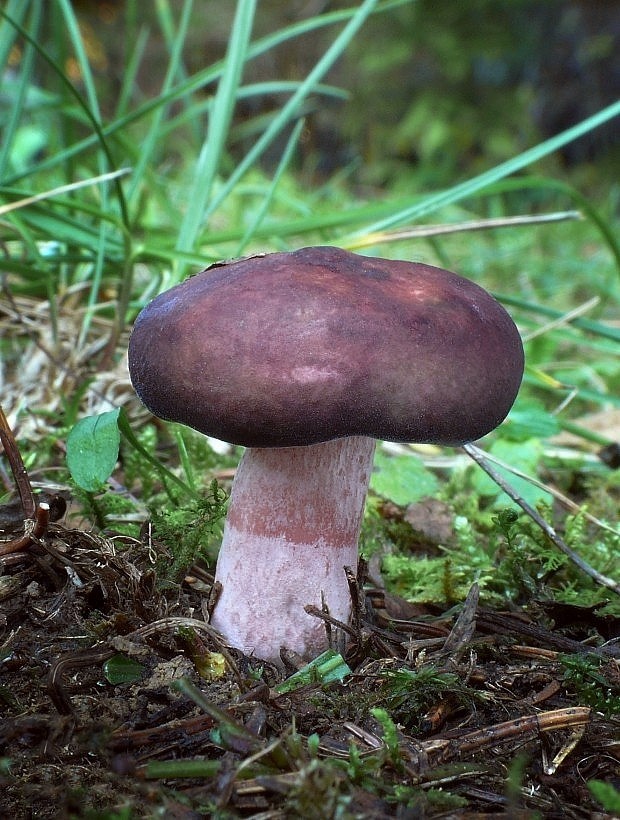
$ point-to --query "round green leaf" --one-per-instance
(92, 449)
(403, 479)
(529, 420)
(121, 669)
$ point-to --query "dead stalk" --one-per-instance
(478, 456)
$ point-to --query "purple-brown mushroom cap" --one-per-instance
(291, 349)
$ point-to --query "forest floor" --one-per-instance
(467, 713)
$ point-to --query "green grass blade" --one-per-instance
(269, 193)
(165, 17)
(92, 119)
(583, 393)
(130, 72)
(608, 233)
(201, 107)
(48, 222)
(219, 124)
(290, 109)
(153, 136)
(24, 200)
(322, 221)
(481, 181)
(92, 116)
(86, 74)
(95, 281)
(197, 81)
(16, 10)
(92, 104)
(589, 325)
(23, 86)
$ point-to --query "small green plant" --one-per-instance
(5, 766)
(505, 521)
(446, 577)
(93, 446)
(403, 479)
(391, 737)
(606, 794)
(110, 510)
(320, 790)
(515, 781)
(410, 693)
(189, 530)
(92, 449)
(585, 675)
(508, 555)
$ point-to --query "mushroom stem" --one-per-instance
(292, 526)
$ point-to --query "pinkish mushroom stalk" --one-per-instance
(292, 526)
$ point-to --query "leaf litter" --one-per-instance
(438, 708)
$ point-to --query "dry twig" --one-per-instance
(36, 516)
(478, 456)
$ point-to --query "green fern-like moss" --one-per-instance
(189, 531)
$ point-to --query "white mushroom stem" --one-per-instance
(293, 524)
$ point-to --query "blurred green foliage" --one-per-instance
(452, 87)
(443, 89)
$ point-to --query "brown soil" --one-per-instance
(485, 723)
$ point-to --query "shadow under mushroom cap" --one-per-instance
(290, 349)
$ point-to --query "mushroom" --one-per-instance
(305, 358)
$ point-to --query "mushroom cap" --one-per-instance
(290, 349)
